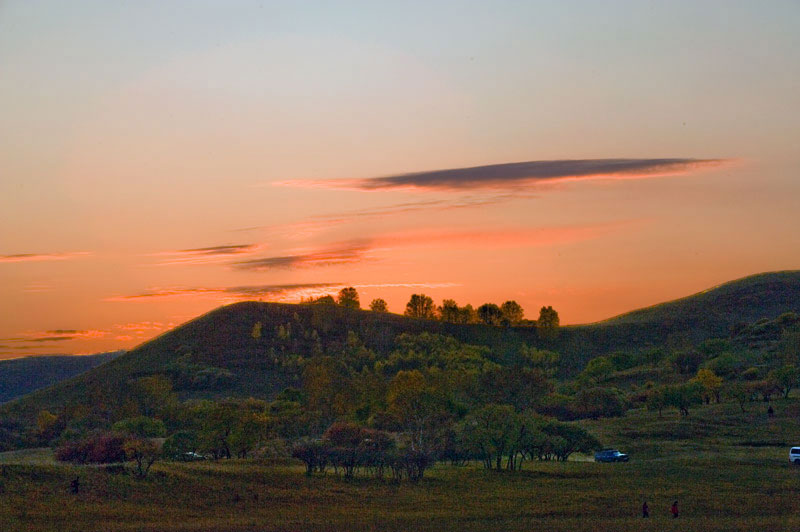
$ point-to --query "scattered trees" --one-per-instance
(417, 406)
(683, 396)
(711, 383)
(600, 402)
(348, 447)
(143, 452)
(494, 431)
(450, 312)
(687, 362)
(181, 445)
(597, 370)
(490, 433)
(785, 378)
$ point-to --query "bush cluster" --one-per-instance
(98, 448)
(348, 448)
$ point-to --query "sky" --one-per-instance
(159, 159)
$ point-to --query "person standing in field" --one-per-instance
(674, 509)
(645, 510)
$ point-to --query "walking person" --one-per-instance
(645, 510)
(674, 509)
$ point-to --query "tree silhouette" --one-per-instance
(420, 306)
(490, 314)
(348, 297)
(548, 322)
(512, 312)
(378, 305)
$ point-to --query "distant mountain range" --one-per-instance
(20, 376)
(225, 352)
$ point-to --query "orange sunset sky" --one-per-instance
(159, 159)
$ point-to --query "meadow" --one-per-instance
(729, 471)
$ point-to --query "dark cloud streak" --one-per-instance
(345, 255)
(509, 175)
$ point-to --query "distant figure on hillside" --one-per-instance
(645, 510)
(674, 509)
(770, 411)
(75, 485)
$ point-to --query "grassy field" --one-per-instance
(729, 470)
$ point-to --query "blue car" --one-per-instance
(610, 455)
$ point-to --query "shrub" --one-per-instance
(409, 463)
(143, 452)
(98, 448)
(313, 453)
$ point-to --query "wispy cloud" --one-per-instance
(344, 253)
(518, 174)
(350, 252)
(320, 223)
(142, 326)
(276, 292)
(207, 254)
(499, 238)
(38, 287)
(42, 257)
(55, 335)
(162, 293)
(225, 293)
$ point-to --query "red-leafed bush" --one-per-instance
(98, 448)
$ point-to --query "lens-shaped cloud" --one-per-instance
(519, 174)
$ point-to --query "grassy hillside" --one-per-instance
(221, 346)
(689, 320)
(21, 376)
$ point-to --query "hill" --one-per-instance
(257, 349)
(714, 313)
(21, 376)
(741, 301)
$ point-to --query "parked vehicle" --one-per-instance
(613, 455)
(794, 456)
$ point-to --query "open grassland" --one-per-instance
(728, 469)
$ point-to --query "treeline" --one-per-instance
(420, 306)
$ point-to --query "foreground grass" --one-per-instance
(756, 493)
(729, 471)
